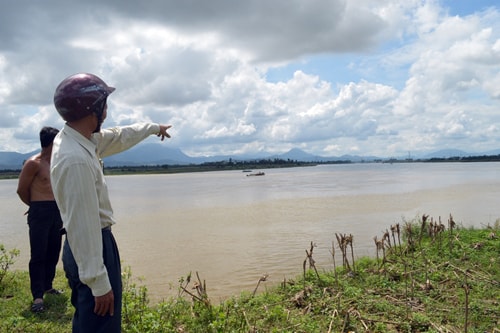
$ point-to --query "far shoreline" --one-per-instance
(254, 164)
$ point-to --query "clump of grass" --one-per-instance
(6, 260)
(15, 303)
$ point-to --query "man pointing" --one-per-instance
(90, 256)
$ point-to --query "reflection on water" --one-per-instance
(232, 229)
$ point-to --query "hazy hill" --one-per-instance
(12, 160)
(149, 154)
(447, 153)
(160, 154)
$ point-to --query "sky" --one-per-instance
(331, 77)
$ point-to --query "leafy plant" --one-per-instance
(6, 260)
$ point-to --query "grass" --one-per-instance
(426, 278)
(15, 303)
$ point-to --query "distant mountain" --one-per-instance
(149, 154)
(447, 153)
(492, 152)
(159, 154)
(296, 154)
(12, 160)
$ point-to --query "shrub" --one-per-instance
(6, 260)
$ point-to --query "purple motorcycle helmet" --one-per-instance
(80, 95)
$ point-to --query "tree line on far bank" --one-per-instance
(259, 164)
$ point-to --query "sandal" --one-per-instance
(37, 307)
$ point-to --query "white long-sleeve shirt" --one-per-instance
(82, 195)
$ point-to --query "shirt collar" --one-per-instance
(89, 145)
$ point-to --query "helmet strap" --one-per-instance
(99, 112)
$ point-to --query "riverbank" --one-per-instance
(427, 276)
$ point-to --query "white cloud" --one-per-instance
(424, 79)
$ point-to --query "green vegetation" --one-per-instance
(9, 174)
(207, 166)
(6, 260)
(426, 277)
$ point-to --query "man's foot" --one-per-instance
(54, 292)
(37, 306)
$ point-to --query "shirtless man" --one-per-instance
(44, 220)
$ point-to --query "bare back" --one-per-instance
(34, 180)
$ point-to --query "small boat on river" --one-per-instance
(256, 174)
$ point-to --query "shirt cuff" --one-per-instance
(155, 128)
(100, 286)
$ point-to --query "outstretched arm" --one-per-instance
(117, 139)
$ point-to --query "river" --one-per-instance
(232, 229)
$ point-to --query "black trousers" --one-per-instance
(84, 319)
(45, 225)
